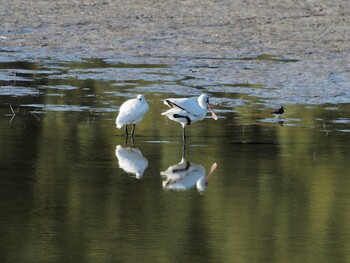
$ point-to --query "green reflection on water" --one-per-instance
(90, 63)
(279, 194)
(271, 58)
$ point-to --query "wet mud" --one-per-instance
(291, 52)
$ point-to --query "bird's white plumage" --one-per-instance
(131, 160)
(190, 109)
(132, 111)
(185, 175)
(189, 105)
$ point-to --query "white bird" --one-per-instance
(188, 110)
(132, 112)
(186, 175)
(131, 160)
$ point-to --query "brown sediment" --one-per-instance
(315, 34)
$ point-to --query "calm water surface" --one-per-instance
(280, 192)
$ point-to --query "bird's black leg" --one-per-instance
(183, 143)
(133, 130)
(126, 131)
(132, 135)
(126, 141)
(132, 141)
(183, 149)
(184, 135)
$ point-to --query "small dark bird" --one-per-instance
(278, 113)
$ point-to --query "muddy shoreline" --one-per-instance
(313, 33)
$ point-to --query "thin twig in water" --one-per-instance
(32, 112)
(13, 114)
(12, 118)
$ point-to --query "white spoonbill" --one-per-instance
(131, 160)
(131, 112)
(186, 175)
(188, 110)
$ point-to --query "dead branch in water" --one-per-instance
(17, 112)
(32, 112)
(13, 114)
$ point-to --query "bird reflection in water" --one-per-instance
(280, 122)
(131, 160)
(185, 175)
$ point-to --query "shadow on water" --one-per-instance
(68, 188)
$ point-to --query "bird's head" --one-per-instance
(140, 97)
(203, 101)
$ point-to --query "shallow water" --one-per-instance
(279, 192)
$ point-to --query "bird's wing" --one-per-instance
(131, 111)
(190, 105)
(278, 111)
(127, 106)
